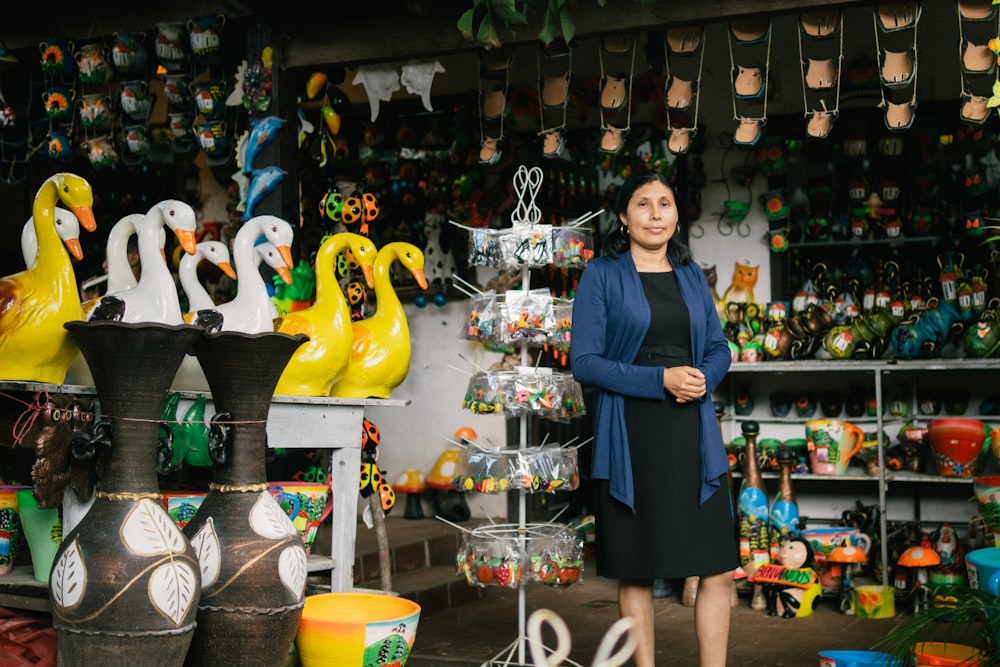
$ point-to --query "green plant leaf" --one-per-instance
(507, 10)
(548, 30)
(464, 24)
(995, 98)
(568, 27)
(488, 34)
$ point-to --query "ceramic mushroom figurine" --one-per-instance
(411, 482)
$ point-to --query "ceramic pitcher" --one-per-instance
(832, 444)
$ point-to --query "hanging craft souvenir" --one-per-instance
(205, 33)
(555, 71)
(897, 69)
(616, 89)
(91, 63)
(820, 68)
(682, 93)
(57, 57)
(750, 77)
(170, 45)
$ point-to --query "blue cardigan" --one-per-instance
(610, 320)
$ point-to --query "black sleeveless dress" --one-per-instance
(670, 535)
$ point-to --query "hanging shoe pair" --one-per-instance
(749, 82)
(898, 68)
(748, 131)
(819, 24)
(820, 74)
(897, 16)
(899, 117)
(820, 123)
(613, 139)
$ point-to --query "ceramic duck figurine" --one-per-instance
(68, 228)
(35, 303)
(198, 297)
(154, 297)
(319, 363)
(120, 275)
(251, 310)
(380, 354)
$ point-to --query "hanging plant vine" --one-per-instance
(481, 22)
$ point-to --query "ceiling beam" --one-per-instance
(357, 42)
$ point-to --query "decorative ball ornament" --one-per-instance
(332, 205)
(356, 294)
(353, 211)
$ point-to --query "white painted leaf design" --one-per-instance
(68, 579)
(267, 519)
(173, 588)
(206, 545)
(149, 531)
(293, 569)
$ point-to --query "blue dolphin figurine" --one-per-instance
(262, 183)
(261, 134)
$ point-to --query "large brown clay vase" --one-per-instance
(253, 562)
(125, 582)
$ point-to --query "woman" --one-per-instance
(646, 333)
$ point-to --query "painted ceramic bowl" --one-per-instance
(957, 443)
(356, 630)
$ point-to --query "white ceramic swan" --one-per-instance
(252, 310)
(198, 297)
(68, 228)
(154, 298)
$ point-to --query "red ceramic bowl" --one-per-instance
(957, 443)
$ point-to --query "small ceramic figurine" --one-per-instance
(792, 589)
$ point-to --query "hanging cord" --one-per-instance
(835, 111)
(696, 84)
(766, 74)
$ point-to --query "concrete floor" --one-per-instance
(485, 630)
(475, 633)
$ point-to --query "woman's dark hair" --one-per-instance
(616, 243)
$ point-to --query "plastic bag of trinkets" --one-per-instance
(526, 317)
(483, 394)
(527, 245)
(562, 330)
(557, 559)
(483, 318)
(484, 247)
(546, 469)
(572, 247)
(533, 391)
(491, 556)
(485, 470)
(572, 400)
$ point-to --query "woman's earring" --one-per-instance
(624, 230)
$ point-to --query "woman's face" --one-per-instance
(651, 216)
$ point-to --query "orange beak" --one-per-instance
(286, 254)
(369, 274)
(418, 275)
(285, 274)
(227, 268)
(187, 240)
(73, 246)
(85, 215)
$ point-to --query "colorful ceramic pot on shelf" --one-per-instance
(958, 444)
(43, 531)
(307, 504)
(10, 526)
(832, 444)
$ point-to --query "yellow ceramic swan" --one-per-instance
(380, 354)
(35, 303)
(320, 362)
(154, 297)
(251, 310)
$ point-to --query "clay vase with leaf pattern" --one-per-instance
(125, 582)
(253, 561)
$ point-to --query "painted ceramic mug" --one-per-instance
(136, 139)
(983, 567)
(169, 45)
(832, 443)
(91, 64)
(57, 57)
(209, 98)
(95, 110)
(58, 102)
(212, 138)
(136, 100)
(177, 89)
(59, 146)
(100, 152)
(127, 53)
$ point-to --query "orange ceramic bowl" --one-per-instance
(356, 630)
(957, 443)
